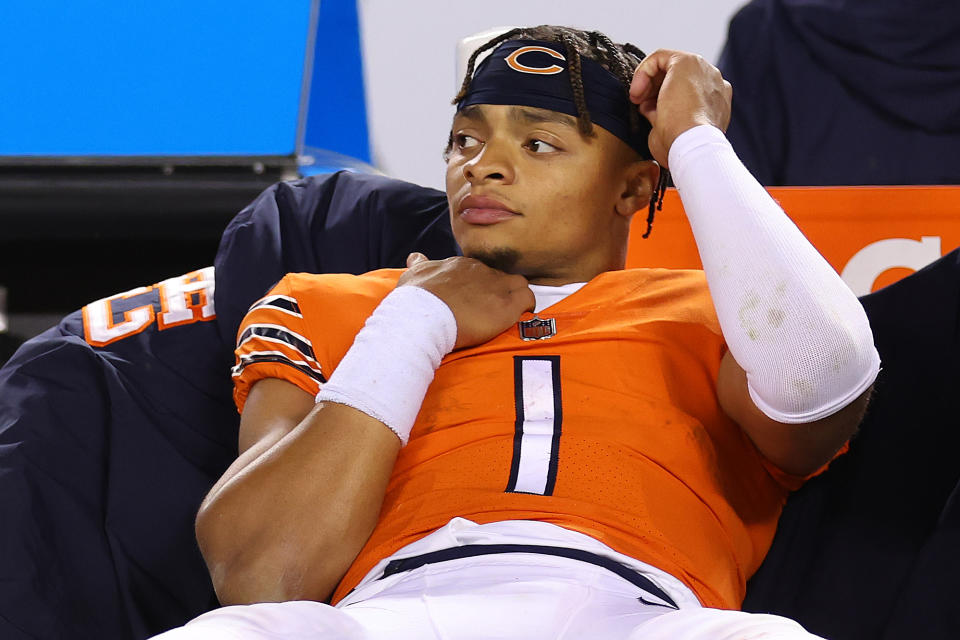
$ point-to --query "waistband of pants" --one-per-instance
(637, 579)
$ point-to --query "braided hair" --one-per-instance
(619, 60)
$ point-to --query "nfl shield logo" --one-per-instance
(537, 329)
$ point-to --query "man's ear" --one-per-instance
(640, 179)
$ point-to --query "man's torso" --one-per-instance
(610, 427)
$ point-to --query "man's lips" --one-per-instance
(484, 210)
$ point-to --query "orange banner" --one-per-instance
(872, 236)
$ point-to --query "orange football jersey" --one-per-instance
(611, 427)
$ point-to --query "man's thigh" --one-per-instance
(270, 621)
(542, 614)
(719, 624)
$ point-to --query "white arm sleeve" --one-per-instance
(789, 320)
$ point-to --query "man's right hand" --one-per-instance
(484, 301)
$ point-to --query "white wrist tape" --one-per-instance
(789, 320)
(387, 370)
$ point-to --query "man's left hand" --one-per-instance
(677, 91)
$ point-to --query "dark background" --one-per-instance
(73, 234)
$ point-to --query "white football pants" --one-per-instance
(491, 597)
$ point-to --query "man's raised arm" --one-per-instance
(801, 360)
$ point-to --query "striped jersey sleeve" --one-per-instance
(273, 342)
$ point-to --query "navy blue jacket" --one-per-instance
(835, 92)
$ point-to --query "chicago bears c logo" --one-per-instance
(513, 61)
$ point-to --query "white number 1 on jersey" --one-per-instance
(536, 441)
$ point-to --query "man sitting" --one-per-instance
(529, 441)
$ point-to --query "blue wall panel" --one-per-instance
(337, 118)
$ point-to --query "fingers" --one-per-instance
(518, 296)
(677, 91)
(648, 79)
(530, 299)
(728, 94)
(484, 301)
(415, 258)
(649, 75)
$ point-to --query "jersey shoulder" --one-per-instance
(653, 295)
(346, 286)
(299, 331)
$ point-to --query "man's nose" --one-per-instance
(492, 163)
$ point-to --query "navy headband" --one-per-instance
(533, 73)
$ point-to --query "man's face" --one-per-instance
(529, 194)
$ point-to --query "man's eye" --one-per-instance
(539, 146)
(463, 141)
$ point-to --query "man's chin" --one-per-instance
(501, 258)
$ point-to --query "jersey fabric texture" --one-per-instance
(610, 428)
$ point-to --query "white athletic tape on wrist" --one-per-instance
(387, 370)
(789, 320)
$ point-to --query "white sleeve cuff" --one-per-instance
(390, 365)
